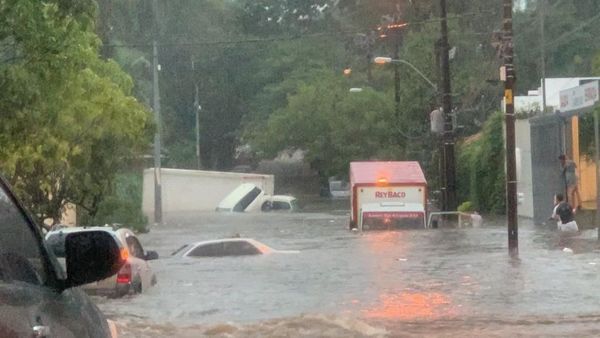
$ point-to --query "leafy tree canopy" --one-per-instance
(67, 118)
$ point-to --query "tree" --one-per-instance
(273, 17)
(68, 122)
(332, 125)
(481, 168)
(570, 28)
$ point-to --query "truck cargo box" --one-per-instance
(389, 191)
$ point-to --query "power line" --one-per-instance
(573, 31)
(288, 38)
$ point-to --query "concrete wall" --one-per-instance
(196, 190)
(546, 146)
(524, 174)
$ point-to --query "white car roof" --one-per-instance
(69, 230)
(282, 198)
(233, 239)
(121, 233)
(191, 246)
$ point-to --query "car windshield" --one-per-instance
(180, 250)
(445, 155)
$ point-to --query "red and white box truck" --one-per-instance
(387, 195)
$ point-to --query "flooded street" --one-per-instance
(438, 282)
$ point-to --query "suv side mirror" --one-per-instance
(151, 255)
(91, 256)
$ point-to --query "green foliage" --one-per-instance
(68, 122)
(571, 31)
(122, 206)
(286, 68)
(333, 125)
(480, 176)
(466, 207)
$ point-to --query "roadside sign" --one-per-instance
(508, 96)
(578, 98)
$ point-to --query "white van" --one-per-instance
(248, 197)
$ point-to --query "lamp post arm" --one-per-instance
(416, 70)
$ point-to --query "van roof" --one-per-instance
(392, 172)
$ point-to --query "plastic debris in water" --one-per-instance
(568, 250)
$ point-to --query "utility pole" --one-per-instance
(511, 172)
(197, 108)
(396, 56)
(542, 10)
(104, 28)
(157, 145)
(448, 136)
(440, 140)
(156, 107)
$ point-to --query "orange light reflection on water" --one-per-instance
(385, 241)
(412, 306)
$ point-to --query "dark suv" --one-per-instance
(37, 298)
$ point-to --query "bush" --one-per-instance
(466, 207)
(123, 207)
(481, 168)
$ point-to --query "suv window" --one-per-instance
(134, 246)
(21, 258)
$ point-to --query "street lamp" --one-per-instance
(380, 60)
(384, 60)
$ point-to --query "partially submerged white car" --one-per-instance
(134, 276)
(249, 198)
(227, 247)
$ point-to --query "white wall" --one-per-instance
(196, 190)
(524, 173)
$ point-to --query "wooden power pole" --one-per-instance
(509, 114)
(450, 202)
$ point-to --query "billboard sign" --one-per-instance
(580, 97)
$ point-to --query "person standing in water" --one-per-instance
(563, 213)
(569, 173)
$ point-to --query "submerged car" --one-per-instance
(227, 247)
(135, 276)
